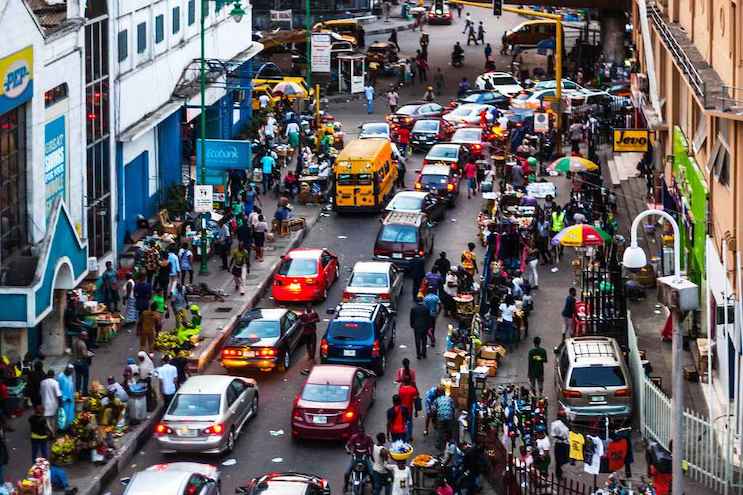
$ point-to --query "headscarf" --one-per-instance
(146, 366)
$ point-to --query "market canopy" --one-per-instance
(572, 164)
(581, 235)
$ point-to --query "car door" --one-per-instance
(396, 283)
(362, 393)
(242, 402)
(231, 415)
(291, 329)
(329, 263)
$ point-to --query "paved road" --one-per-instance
(352, 237)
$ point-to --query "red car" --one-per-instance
(472, 139)
(408, 114)
(333, 402)
(305, 275)
(441, 15)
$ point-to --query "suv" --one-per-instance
(592, 380)
(440, 180)
(403, 238)
(359, 335)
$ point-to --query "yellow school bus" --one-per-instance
(365, 175)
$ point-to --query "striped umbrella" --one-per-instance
(572, 164)
(581, 235)
(289, 88)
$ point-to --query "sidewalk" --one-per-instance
(110, 359)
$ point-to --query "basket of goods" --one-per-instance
(400, 451)
(424, 461)
(63, 450)
(167, 343)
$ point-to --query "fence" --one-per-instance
(529, 481)
(705, 442)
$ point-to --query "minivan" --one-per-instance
(403, 238)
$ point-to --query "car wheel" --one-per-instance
(382, 364)
(230, 445)
(286, 361)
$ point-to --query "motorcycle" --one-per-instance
(360, 474)
(457, 59)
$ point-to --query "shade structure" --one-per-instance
(581, 235)
(288, 88)
(572, 164)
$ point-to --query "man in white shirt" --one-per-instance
(263, 100)
(51, 396)
(115, 388)
(168, 375)
(269, 130)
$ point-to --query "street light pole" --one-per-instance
(308, 42)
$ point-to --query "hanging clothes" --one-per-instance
(594, 450)
(576, 441)
(616, 452)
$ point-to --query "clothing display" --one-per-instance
(616, 452)
(593, 451)
(576, 441)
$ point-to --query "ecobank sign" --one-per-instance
(637, 140)
(16, 79)
(224, 154)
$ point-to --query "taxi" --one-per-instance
(305, 275)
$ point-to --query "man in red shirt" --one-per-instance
(403, 139)
(408, 394)
(470, 173)
(359, 443)
(397, 420)
(309, 320)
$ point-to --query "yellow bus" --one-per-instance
(365, 175)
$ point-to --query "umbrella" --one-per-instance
(581, 235)
(572, 164)
(289, 88)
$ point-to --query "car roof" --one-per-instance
(205, 384)
(149, 482)
(372, 266)
(305, 253)
(331, 373)
(592, 350)
(411, 194)
(265, 313)
(436, 169)
(444, 145)
(404, 217)
(386, 124)
(496, 74)
(462, 130)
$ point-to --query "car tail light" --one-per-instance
(266, 351)
(476, 147)
(376, 349)
(450, 187)
(310, 281)
(348, 416)
(407, 120)
(232, 353)
(347, 296)
(421, 252)
(571, 394)
(384, 297)
(216, 429)
(418, 186)
(163, 429)
(277, 282)
(324, 348)
(623, 392)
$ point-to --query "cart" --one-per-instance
(426, 478)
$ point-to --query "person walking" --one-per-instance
(110, 288)
(481, 33)
(471, 35)
(267, 165)
(442, 412)
(560, 438)
(81, 361)
(568, 312)
(507, 328)
(442, 265)
(387, 8)
(130, 303)
(392, 99)
(369, 95)
(393, 38)
(433, 305)
(149, 325)
(543, 238)
(40, 434)
(174, 262)
(51, 396)
(380, 455)
(309, 320)
(532, 263)
(469, 259)
(420, 322)
(397, 420)
(185, 259)
(417, 273)
(142, 294)
(422, 66)
(405, 372)
(537, 359)
(163, 272)
(239, 263)
(67, 389)
(470, 173)
(403, 140)
(488, 52)
(438, 81)
(168, 376)
(576, 133)
(408, 393)
(467, 22)
(259, 237)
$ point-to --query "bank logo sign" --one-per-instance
(224, 154)
(16, 79)
(626, 140)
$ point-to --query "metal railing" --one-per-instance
(731, 99)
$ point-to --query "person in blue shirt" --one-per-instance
(267, 165)
(175, 269)
(433, 304)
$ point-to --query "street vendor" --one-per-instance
(190, 328)
(469, 259)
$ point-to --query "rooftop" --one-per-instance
(51, 14)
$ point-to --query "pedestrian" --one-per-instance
(269, 129)
(158, 299)
(163, 272)
(379, 472)
(556, 226)
(408, 398)
(463, 87)
(532, 262)
(267, 166)
(429, 398)
(179, 305)
(369, 95)
(488, 52)
(481, 33)
(387, 7)
(358, 443)
(423, 41)
(259, 237)
(149, 325)
(405, 372)
(151, 258)
(417, 273)
(442, 265)
(400, 181)
(504, 43)
(142, 294)
(175, 269)
(422, 66)
(459, 10)
(35, 377)
(470, 173)
(110, 288)
(560, 435)
(245, 232)
(397, 420)
(67, 389)
(451, 289)
(429, 96)
(438, 81)
(543, 238)
(471, 35)
(168, 376)
(392, 99)
(51, 397)
(568, 312)
(60, 481)
(517, 176)
(433, 304)
(507, 329)
(309, 320)
(393, 39)
(537, 359)
(467, 22)
(576, 133)
(442, 412)
(40, 434)
(420, 322)
(82, 358)
(469, 259)
(239, 263)
(403, 140)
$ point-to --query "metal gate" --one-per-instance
(602, 291)
(529, 481)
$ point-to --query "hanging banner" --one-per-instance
(224, 154)
(202, 198)
(55, 161)
(321, 44)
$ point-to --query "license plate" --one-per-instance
(249, 354)
(349, 352)
(320, 420)
(598, 398)
(365, 299)
(397, 255)
(186, 432)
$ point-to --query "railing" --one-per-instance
(731, 99)
(529, 481)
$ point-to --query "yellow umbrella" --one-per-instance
(572, 164)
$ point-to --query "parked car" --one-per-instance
(359, 335)
(175, 478)
(305, 275)
(469, 114)
(375, 282)
(403, 238)
(503, 82)
(264, 339)
(472, 138)
(482, 97)
(451, 154)
(552, 84)
(333, 402)
(427, 132)
(407, 114)
(440, 15)
(375, 130)
(418, 202)
(207, 414)
(441, 180)
(285, 483)
(592, 380)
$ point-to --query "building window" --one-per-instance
(56, 94)
(13, 171)
(141, 37)
(176, 19)
(123, 45)
(191, 12)
(159, 28)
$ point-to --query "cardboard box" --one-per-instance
(488, 352)
(491, 364)
(453, 359)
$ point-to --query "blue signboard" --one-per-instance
(16, 79)
(224, 154)
(55, 161)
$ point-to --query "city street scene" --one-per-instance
(288, 247)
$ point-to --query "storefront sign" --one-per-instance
(357, 84)
(16, 79)
(224, 154)
(321, 44)
(202, 198)
(636, 140)
(55, 161)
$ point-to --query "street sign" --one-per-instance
(498, 7)
(628, 140)
(202, 198)
(541, 122)
(321, 44)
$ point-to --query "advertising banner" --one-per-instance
(55, 161)
(16, 79)
(321, 44)
(224, 154)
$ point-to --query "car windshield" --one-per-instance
(195, 405)
(298, 267)
(406, 203)
(464, 111)
(407, 109)
(502, 80)
(399, 233)
(426, 126)
(316, 392)
(354, 179)
(431, 180)
(476, 98)
(374, 130)
(260, 329)
(350, 330)
(597, 376)
(365, 279)
(449, 152)
(467, 136)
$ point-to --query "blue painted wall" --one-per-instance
(13, 307)
(136, 190)
(169, 152)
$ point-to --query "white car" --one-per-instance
(175, 478)
(375, 282)
(552, 84)
(469, 113)
(375, 130)
(503, 82)
(538, 98)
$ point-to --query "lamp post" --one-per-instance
(237, 14)
(634, 258)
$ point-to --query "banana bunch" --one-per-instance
(167, 343)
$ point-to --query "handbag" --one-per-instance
(418, 404)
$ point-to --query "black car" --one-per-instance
(484, 97)
(409, 113)
(263, 339)
(404, 238)
(286, 483)
(418, 202)
(427, 132)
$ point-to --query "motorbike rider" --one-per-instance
(457, 52)
(359, 443)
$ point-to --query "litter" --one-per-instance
(277, 459)
(342, 237)
(657, 311)
(453, 219)
(403, 346)
(229, 462)
(276, 433)
(554, 269)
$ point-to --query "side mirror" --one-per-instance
(125, 481)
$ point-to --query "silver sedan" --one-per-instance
(176, 478)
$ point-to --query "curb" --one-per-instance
(207, 356)
(388, 30)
